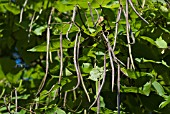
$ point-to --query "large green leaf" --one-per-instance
(159, 88)
(13, 9)
(133, 74)
(39, 30)
(96, 73)
(161, 43)
(150, 40)
(54, 46)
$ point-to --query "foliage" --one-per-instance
(78, 56)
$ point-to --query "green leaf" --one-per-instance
(12, 8)
(158, 88)
(147, 88)
(131, 89)
(86, 67)
(2, 109)
(150, 40)
(63, 7)
(94, 32)
(7, 65)
(22, 111)
(96, 73)
(104, 110)
(25, 96)
(161, 43)
(164, 9)
(133, 74)
(54, 46)
(102, 104)
(164, 103)
(39, 30)
(164, 29)
(55, 110)
(2, 75)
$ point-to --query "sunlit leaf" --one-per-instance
(164, 103)
(158, 88)
(96, 73)
(12, 8)
(40, 30)
(86, 67)
(147, 88)
(161, 43)
(54, 46)
(150, 40)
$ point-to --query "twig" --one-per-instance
(128, 63)
(61, 66)
(61, 59)
(103, 81)
(113, 70)
(131, 4)
(30, 109)
(16, 100)
(47, 53)
(65, 98)
(30, 29)
(33, 21)
(37, 17)
(132, 36)
(143, 3)
(50, 89)
(91, 13)
(110, 50)
(7, 107)
(118, 88)
(37, 103)
(98, 17)
(72, 21)
(22, 10)
(81, 78)
(127, 33)
(50, 55)
(116, 29)
(9, 103)
(98, 99)
(2, 92)
(74, 95)
(75, 62)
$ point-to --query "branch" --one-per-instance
(76, 64)
(103, 81)
(72, 21)
(47, 53)
(91, 13)
(22, 10)
(111, 58)
(131, 4)
(118, 88)
(127, 33)
(30, 29)
(116, 29)
(61, 59)
(16, 100)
